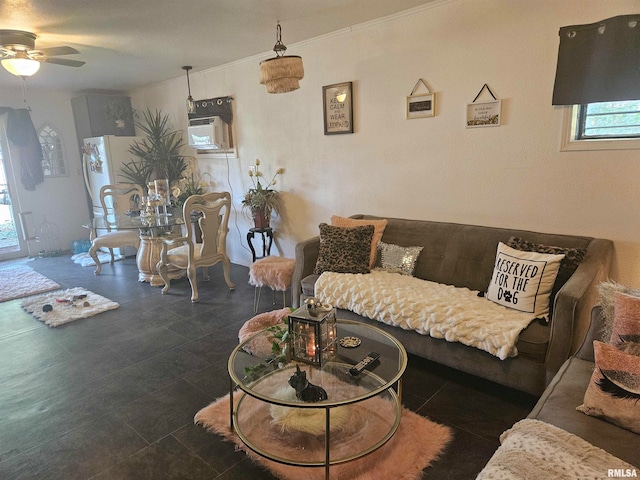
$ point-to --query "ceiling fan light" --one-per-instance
(21, 67)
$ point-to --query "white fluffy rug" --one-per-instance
(17, 280)
(84, 260)
(67, 306)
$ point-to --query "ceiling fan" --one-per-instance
(20, 57)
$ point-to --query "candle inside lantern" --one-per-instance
(311, 345)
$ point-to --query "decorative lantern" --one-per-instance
(312, 333)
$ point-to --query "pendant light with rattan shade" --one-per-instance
(281, 73)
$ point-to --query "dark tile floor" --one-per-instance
(113, 396)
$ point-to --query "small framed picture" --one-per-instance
(421, 106)
(484, 114)
(337, 101)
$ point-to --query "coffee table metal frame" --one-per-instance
(384, 386)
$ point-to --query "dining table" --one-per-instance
(153, 230)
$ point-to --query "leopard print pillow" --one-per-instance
(568, 265)
(344, 249)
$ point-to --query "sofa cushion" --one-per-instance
(523, 280)
(532, 343)
(572, 258)
(378, 226)
(344, 249)
(397, 259)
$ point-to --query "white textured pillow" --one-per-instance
(523, 280)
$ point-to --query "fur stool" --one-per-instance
(272, 272)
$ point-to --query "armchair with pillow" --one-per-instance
(463, 257)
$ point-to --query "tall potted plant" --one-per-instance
(158, 154)
(262, 200)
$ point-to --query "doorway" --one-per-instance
(11, 244)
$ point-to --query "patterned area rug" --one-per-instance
(416, 444)
(64, 306)
(17, 280)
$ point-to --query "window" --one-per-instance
(52, 155)
(609, 120)
(602, 126)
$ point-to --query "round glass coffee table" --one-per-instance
(361, 413)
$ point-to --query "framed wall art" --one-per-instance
(484, 114)
(421, 105)
(337, 101)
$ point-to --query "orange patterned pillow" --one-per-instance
(378, 226)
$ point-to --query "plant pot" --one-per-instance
(260, 218)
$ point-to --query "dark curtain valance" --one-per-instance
(214, 107)
(599, 62)
(23, 135)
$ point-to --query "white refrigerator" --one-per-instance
(102, 158)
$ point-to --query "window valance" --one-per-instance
(599, 62)
(214, 107)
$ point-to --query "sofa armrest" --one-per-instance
(585, 352)
(306, 257)
(574, 302)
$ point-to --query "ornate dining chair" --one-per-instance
(212, 210)
(115, 199)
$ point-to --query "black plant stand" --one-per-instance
(267, 240)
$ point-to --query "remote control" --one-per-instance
(364, 363)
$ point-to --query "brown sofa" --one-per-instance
(464, 256)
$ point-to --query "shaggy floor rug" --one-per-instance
(84, 260)
(417, 442)
(17, 280)
(67, 306)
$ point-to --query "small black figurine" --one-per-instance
(305, 391)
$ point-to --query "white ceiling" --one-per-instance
(130, 43)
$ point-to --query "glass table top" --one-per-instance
(262, 373)
(134, 222)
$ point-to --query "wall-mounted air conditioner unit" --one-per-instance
(209, 133)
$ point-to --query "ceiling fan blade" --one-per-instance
(53, 51)
(64, 61)
(7, 52)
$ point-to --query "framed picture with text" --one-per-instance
(337, 102)
(484, 114)
(421, 106)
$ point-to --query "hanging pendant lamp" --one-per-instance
(191, 105)
(282, 73)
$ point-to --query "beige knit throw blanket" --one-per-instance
(430, 308)
(535, 450)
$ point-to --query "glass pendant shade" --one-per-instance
(191, 105)
(21, 67)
